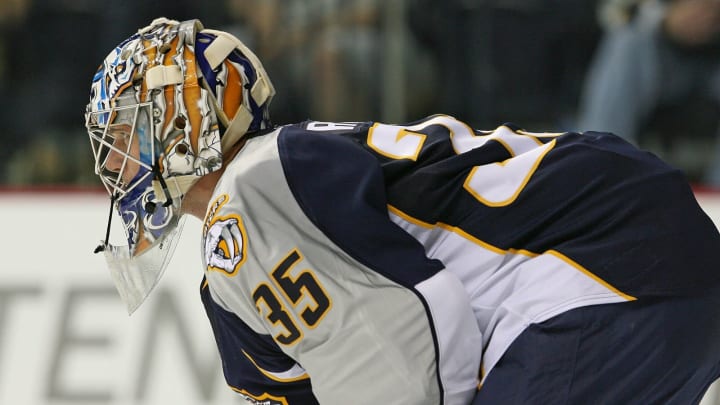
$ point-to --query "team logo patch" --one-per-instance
(225, 241)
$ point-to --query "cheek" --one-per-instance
(132, 166)
(135, 150)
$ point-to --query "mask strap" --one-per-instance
(163, 184)
(101, 248)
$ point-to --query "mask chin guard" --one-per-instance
(136, 271)
(136, 276)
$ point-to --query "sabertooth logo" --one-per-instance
(225, 241)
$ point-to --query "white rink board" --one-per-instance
(65, 337)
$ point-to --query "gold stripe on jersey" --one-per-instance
(495, 249)
(460, 232)
(589, 274)
(296, 373)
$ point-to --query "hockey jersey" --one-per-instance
(363, 263)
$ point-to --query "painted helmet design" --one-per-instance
(165, 105)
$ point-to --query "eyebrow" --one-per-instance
(125, 127)
(120, 130)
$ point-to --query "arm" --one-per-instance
(411, 320)
(252, 363)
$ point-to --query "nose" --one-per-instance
(121, 159)
(114, 161)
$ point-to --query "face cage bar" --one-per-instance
(115, 187)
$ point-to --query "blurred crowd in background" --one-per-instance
(648, 70)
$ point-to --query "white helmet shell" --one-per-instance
(165, 105)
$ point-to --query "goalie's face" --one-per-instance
(124, 164)
(125, 151)
(122, 144)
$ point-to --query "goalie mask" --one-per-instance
(164, 106)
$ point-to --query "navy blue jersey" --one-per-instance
(367, 263)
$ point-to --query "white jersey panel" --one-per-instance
(509, 290)
(459, 338)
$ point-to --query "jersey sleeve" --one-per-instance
(252, 363)
(341, 189)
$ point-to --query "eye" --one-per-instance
(123, 138)
(120, 131)
(118, 139)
